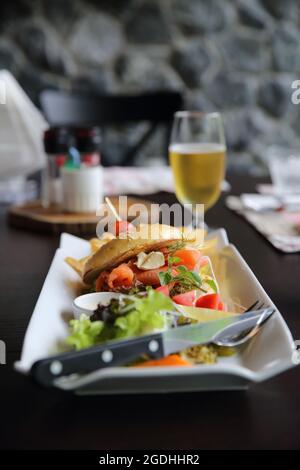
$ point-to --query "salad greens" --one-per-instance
(122, 318)
(84, 332)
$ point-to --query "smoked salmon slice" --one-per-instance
(188, 258)
(150, 277)
(122, 276)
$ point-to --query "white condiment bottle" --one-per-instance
(82, 188)
(82, 177)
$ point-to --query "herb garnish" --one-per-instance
(184, 279)
(212, 284)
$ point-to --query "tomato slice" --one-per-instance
(209, 301)
(188, 298)
(123, 226)
(222, 306)
(188, 258)
(164, 290)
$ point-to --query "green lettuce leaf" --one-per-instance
(84, 332)
(146, 316)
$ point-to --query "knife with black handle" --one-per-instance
(108, 354)
(156, 345)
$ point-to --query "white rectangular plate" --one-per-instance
(268, 354)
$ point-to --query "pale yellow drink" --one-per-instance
(198, 171)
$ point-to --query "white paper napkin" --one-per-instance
(21, 131)
(280, 227)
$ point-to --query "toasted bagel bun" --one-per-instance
(120, 250)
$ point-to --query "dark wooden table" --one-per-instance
(265, 416)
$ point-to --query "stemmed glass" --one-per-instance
(197, 156)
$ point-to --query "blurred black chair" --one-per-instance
(65, 109)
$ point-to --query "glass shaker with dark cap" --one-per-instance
(88, 143)
(57, 141)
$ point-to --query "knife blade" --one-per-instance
(118, 352)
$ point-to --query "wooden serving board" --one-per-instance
(33, 216)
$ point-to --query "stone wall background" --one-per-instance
(237, 56)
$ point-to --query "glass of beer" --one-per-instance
(197, 156)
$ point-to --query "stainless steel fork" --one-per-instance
(242, 331)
